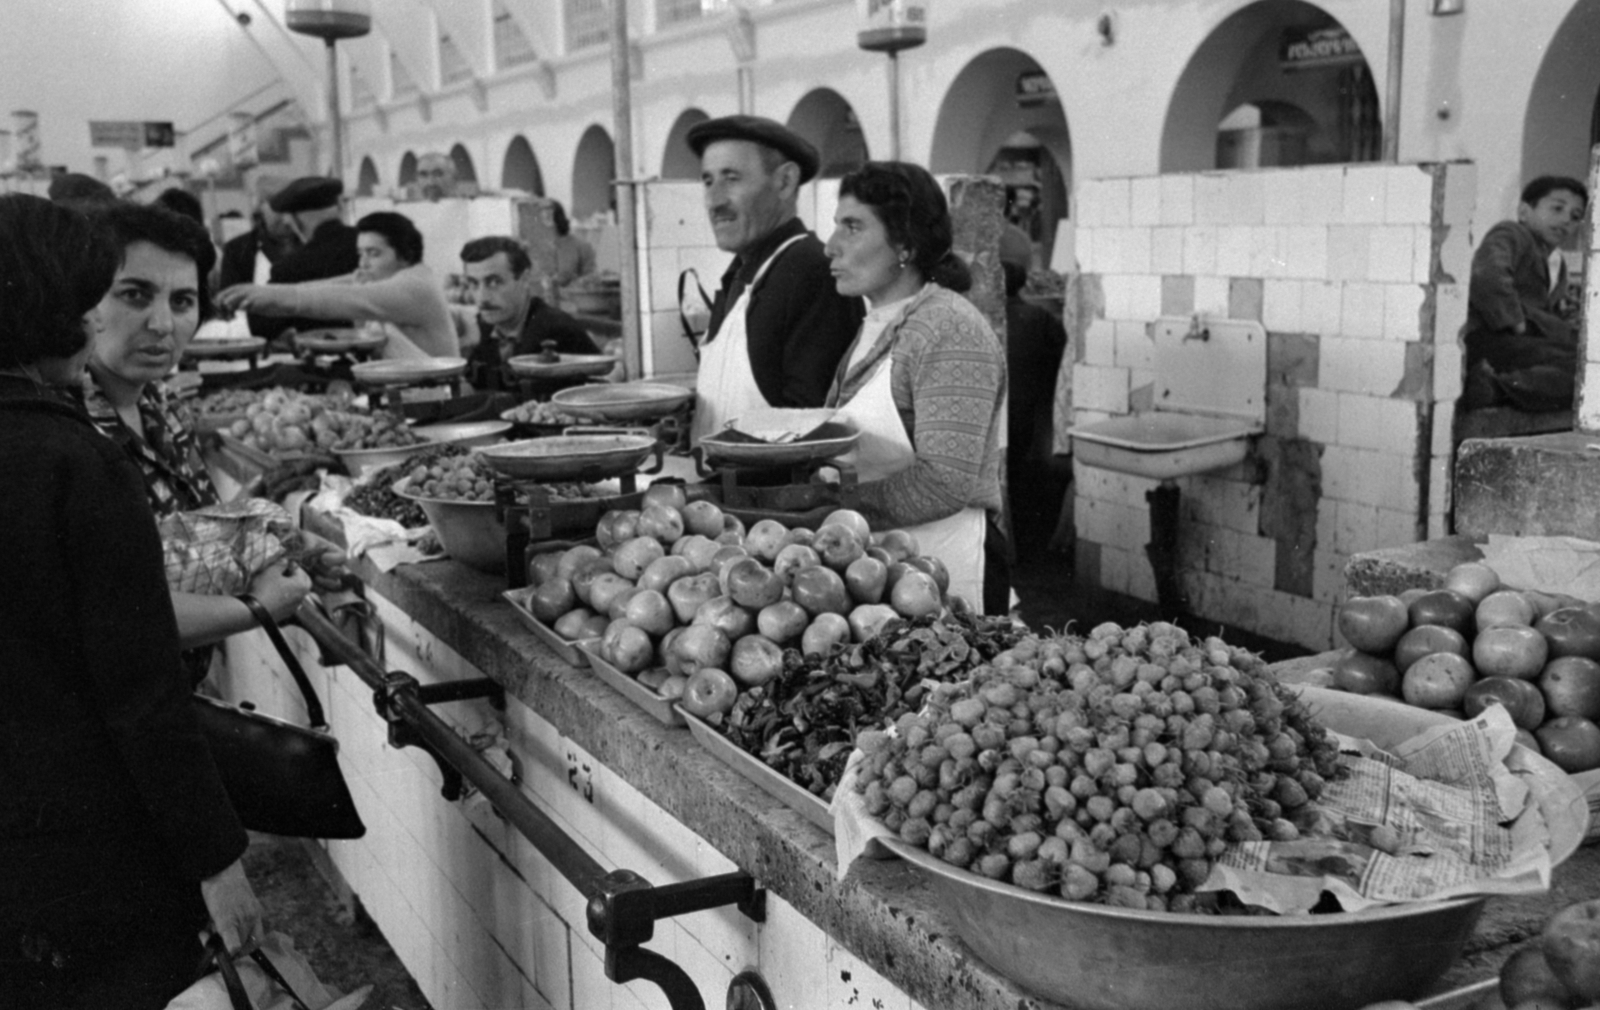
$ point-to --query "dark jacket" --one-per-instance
(1035, 343)
(112, 811)
(1511, 287)
(330, 253)
(485, 368)
(238, 266)
(799, 324)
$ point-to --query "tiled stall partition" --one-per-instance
(1358, 274)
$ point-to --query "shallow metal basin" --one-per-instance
(1163, 444)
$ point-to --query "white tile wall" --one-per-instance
(1402, 311)
(1409, 195)
(1365, 191)
(1177, 199)
(1145, 201)
(1166, 250)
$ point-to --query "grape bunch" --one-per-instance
(1114, 768)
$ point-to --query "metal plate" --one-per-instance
(623, 401)
(566, 457)
(566, 366)
(824, 442)
(226, 347)
(808, 805)
(654, 705)
(469, 434)
(405, 371)
(338, 341)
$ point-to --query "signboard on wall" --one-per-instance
(1331, 46)
(25, 146)
(1034, 87)
(131, 134)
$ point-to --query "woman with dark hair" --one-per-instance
(157, 299)
(392, 290)
(117, 841)
(924, 381)
(574, 256)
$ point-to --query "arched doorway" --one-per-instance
(677, 161)
(408, 169)
(1002, 116)
(520, 168)
(825, 119)
(1562, 120)
(1280, 82)
(465, 172)
(367, 178)
(593, 169)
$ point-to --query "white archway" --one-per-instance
(594, 167)
(677, 161)
(826, 119)
(519, 169)
(1563, 115)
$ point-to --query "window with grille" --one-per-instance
(403, 82)
(452, 65)
(511, 45)
(588, 23)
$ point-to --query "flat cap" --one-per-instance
(310, 192)
(761, 131)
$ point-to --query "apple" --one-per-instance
(867, 578)
(821, 590)
(619, 603)
(1363, 673)
(1473, 579)
(594, 626)
(703, 517)
(701, 645)
(752, 584)
(1425, 640)
(664, 571)
(698, 549)
(584, 577)
(624, 526)
(799, 535)
(573, 624)
(1571, 631)
(1571, 686)
(709, 693)
(916, 595)
(649, 609)
(838, 545)
(1571, 742)
(782, 621)
(626, 646)
(898, 544)
(687, 594)
(881, 555)
(868, 619)
(934, 567)
(791, 559)
(853, 520)
(1521, 699)
(664, 492)
(543, 566)
(727, 616)
(667, 649)
(726, 555)
(673, 687)
(1571, 945)
(765, 539)
(632, 557)
(756, 660)
(574, 557)
(654, 677)
(663, 522)
(604, 589)
(1407, 596)
(552, 598)
(1445, 607)
(1505, 606)
(1509, 650)
(1439, 681)
(1373, 623)
(825, 632)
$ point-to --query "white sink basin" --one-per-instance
(1163, 444)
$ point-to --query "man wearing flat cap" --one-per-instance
(778, 323)
(310, 205)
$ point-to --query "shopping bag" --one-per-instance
(219, 548)
(273, 977)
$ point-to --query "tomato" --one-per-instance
(1439, 681)
(1373, 624)
(1509, 650)
(1571, 742)
(1444, 607)
(1425, 640)
(1521, 699)
(709, 693)
(1505, 607)
(1571, 944)
(1572, 631)
(1362, 673)
(1473, 579)
(1571, 686)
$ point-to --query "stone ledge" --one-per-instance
(1393, 570)
(1540, 485)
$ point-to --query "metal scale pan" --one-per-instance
(622, 401)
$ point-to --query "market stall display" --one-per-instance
(536, 417)
(348, 341)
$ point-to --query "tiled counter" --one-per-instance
(482, 920)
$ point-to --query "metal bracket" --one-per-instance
(403, 734)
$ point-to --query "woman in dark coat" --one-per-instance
(117, 842)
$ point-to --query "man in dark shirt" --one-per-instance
(1035, 344)
(311, 205)
(512, 320)
(778, 324)
(249, 258)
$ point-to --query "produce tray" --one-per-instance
(655, 706)
(808, 805)
(569, 651)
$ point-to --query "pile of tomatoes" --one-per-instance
(1475, 643)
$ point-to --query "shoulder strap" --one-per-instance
(264, 618)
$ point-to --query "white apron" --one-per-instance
(884, 449)
(725, 385)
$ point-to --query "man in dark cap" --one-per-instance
(778, 324)
(311, 206)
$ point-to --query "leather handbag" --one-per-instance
(282, 779)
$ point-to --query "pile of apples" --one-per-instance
(1475, 643)
(681, 595)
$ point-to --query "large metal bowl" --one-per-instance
(622, 401)
(566, 366)
(471, 434)
(570, 457)
(362, 461)
(469, 531)
(825, 442)
(1100, 958)
(407, 371)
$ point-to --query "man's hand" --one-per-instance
(326, 561)
(246, 297)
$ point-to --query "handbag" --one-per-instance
(282, 779)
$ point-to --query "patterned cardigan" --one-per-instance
(949, 382)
